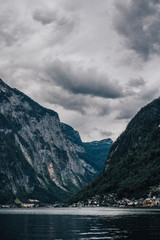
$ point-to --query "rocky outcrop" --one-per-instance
(93, 154)
(37, 159)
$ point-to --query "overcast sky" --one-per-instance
(95, 62)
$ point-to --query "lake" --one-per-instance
(79, 223)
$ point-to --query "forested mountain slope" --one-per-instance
(133, 164)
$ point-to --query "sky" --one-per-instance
(95, 62)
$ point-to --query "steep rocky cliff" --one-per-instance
(37, 160)
(132, 168)
(93, 153)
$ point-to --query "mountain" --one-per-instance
(132, 168)
(93, 153)
(37, 158)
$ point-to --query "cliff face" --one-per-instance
(93, 154)
(132, 168)
(38, 160)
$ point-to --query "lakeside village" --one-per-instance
(109, 200)
(106, 200)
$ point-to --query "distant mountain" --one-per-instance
(132, 168)
(38, 160)
(93, 153)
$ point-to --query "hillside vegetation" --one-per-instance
(133, 164)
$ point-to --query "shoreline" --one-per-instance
(8, 206)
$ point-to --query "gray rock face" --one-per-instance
(94, 153)
(37, 159)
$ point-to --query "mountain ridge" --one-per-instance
(133, 165)
(37, 159)
(94, 153)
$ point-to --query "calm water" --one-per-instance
(84, 223)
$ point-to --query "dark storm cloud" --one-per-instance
(86, 82)
(104, 110)
(33, 34)
(60, 20)
(125, 114)
(67, 101)
(136, 82)
(59, 25)
(76, 102)
(45, 17)
(105, 134)
(139, 21)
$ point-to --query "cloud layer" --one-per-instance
(86, 82)
(95, 64)
(138, 21)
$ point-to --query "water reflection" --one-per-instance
(143, 225)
